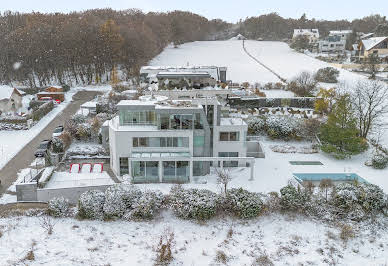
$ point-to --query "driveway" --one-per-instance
(23, 159)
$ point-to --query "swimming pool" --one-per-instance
(335, 177)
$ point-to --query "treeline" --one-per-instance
(84, 47)
(274, 27)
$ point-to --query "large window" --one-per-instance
(199, 141)
(145, 171)
(229, 136)
(128, 117)
(181, 121)
(198, 122)
(161, 142)
(124, 166)
(176, 171)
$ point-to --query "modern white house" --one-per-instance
(342, 34)
(155, 139)
(311, 34)
(332, 44)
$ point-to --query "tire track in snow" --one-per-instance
(263, 65)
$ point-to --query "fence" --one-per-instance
(256, 102)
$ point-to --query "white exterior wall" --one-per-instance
(230, 146)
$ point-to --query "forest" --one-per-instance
(84, 47)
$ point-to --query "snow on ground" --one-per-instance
(278, 93)
(282, 239)
(241, 67)
(11, 142)
(65, 180)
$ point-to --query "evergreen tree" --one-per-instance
(340, 134)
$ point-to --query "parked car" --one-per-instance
(57, 131)
(44, 146)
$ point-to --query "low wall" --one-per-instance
(296, 102)
(26, 192)
(72, 193)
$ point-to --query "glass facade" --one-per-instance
(199, 141)
(178, 171)
(128, 117)
(145, 171)
(229, 163)
(180, 121)
(161, 142)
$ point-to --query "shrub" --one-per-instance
(256, 125)
(119, 199)
(145, 206)
(78, 119)
(243, 203)
(346, 232)
(293, 198)
(327, 75)
(91, 205)
(84, 132)
(57, 145)
(42, 111)
(66, 139)
(379, 161)
(282, 127)
(59, 207)
(303, 85)
(199, 204)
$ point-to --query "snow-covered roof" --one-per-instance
(183, 74)
(366, 35)
(338, 32)
(238, 37)
(6, 92)
(89, 105)
(372, 42)
(311, 32)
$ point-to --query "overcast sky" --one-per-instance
(230, 10)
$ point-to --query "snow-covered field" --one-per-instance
(280, 239)
(11, 142)
(276, 55)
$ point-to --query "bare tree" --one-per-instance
(325, 185)
(303, 85)
(223, 178)
(369, 99)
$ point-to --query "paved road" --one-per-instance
(23, 158)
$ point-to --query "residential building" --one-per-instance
(311, 34)
(375, 45)
(332, 44)
(342, 34)
(10, 99)
(150, 73)
(154, 139)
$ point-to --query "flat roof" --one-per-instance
(182, 74)
(232, 121)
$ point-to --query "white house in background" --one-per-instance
(311, 34)
(154, 139)
(10, 99)
(343, 34)
(332, 44)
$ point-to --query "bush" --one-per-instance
(354, 200)
(145, 206)
(42, 111)
(84, 132)
(118, 199)
(293, 198)
(303, 85)
(283, 127)
(243, 203)
(379, 161)
(58, 207)
(327, 75)
(199, 204)
(66, 139)
(91, 205)
(256, 125)
(57, 145)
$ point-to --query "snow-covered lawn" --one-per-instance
(281, 239)
(11, 142)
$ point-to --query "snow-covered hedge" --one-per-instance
(57, 145)
(256, 125)
(59, 207)
(91, 205)
(199, 204)
(243, 203)
(283, 127)
(118, 199)
(145, 206)
(292, 198)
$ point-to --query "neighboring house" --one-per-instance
(311, 34)
(54, 89)
(149, 73)
(342, 34)
(366, 35)
(154, 139)
(375, 45)
(10, 99)
(332, 44)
